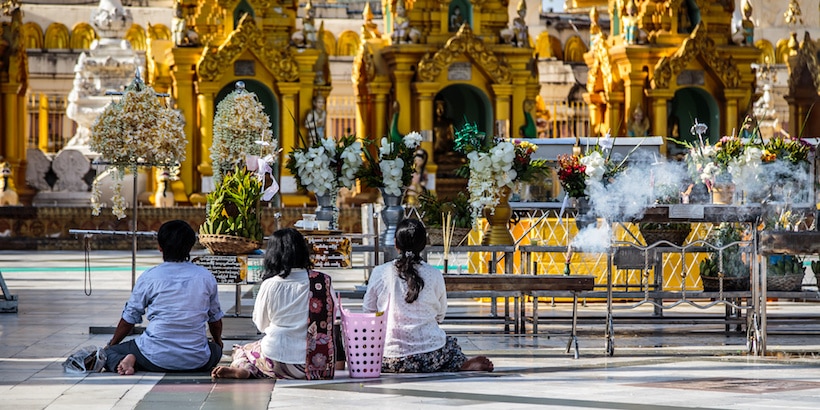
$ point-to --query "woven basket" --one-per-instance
(228, 244)
(675, 236)
(733, 284)
(785, 283)
(435, 236)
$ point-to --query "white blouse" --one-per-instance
(412, 328)
(281, 313)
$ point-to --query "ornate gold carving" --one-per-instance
(248, 37)
(464, 42)
(808, 63)
(364, 66)
(257, 5)
(698, 44)
(601, 66)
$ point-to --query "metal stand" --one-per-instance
(8, 304)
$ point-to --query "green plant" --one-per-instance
(784, 265)
(233, 206)
(733, 265)
(431, 209)
(815, 268)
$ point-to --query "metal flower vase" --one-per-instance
(584, 217)
(392, 214)
(499, 220)
(327, 210)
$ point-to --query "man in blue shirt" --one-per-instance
(178, 298)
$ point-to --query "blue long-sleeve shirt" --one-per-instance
(178, 299)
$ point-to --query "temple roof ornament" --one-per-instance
(111, 19)
(601, 65)
(807, 63)
(248, 36)
(698, 44)
(793, 15)
(466, 43)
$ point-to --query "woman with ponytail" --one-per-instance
(415, 299)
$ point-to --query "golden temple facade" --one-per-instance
(676, 62)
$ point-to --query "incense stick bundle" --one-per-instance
(447, 230)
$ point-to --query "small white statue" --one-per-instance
(8, 195)
(403, 33)
(306, 38)
(316, 120)
(518, 35)
(164, 195)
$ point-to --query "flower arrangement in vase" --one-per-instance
(762, 170)
(577, 172)
(392, 170)
(327, 165)
(494, 166)
(136, 130)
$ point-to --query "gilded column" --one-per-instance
(306, 59)
(403, 79)
(658, 100)
(615, 115)
(13, 135)
(183, 77)
(426, 93)
(289, 93)
(379, 89)
(289, 124)
(42, 122)
(503, 96)
(733, 97)
(206, 94)
(519, 96)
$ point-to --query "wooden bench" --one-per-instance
(526, 284)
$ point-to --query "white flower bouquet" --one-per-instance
(495, 164)
(393, 169)
(327, 165)
(136, 130)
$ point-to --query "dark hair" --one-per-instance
(287, 249)
(175, 239)
(411, 238)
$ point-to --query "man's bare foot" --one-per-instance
(227, 372)
(477, 364)
(126, 366)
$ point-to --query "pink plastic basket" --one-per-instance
(364, 335)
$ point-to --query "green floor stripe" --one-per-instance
(72, 269)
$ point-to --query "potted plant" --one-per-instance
(232, 223)
(672, 232)
(784, 273)
(432, 211)
(727, 263)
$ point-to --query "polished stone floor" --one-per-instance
(674, 363)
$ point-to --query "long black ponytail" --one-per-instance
(411, 238)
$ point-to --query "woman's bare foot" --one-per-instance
(126, 366)
(227, 372)
(477, 364)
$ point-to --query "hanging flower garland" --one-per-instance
(134, 131)
(239, 123)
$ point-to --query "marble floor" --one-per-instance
(658, 364)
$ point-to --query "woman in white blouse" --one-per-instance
(415, 299)
(295, 310)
